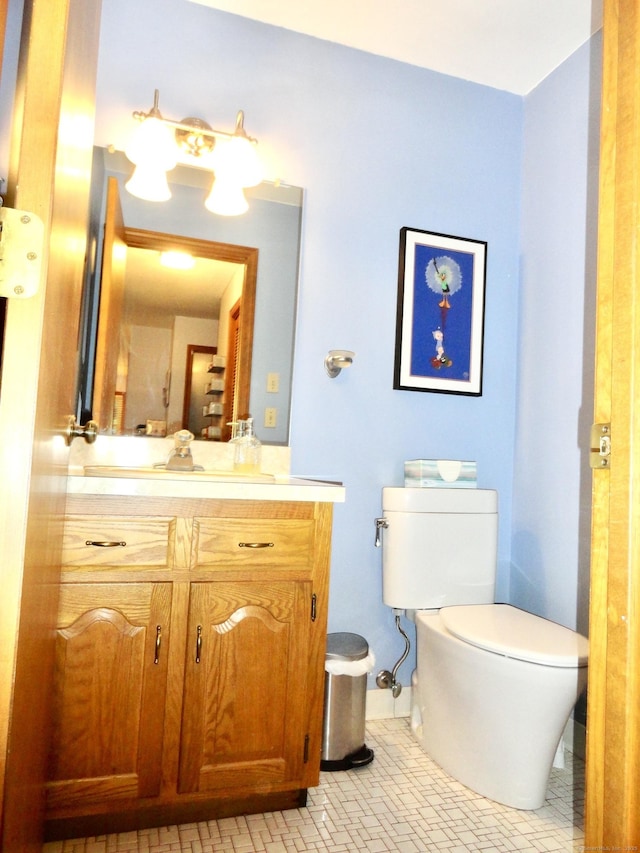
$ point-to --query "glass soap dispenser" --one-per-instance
(247, 450)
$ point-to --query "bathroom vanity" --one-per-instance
(190, 650)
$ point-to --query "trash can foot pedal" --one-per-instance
(360, 758)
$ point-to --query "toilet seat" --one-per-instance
(508, 631)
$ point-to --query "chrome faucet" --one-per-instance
(180, 458)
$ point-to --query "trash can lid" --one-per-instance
(345, 646)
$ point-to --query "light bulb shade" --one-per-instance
(226, 198)
(152, 144)
(236, 159)
(149, 183)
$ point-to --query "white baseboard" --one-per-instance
(382, 706)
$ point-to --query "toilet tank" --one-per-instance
(439, 547)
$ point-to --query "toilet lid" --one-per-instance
(514, 633)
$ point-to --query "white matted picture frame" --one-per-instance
(440, 313)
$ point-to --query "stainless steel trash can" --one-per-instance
(345, 695)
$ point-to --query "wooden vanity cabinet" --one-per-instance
(190, 661)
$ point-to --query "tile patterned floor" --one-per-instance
(401, 802)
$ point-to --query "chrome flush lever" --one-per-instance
(380, 524)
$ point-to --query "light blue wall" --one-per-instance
(551, 495)
(378, 145)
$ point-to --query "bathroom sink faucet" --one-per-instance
(180, 458)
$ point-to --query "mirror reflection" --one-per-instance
(153, 333)
(174, 323)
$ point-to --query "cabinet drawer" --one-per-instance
(103, 541)
(243, 543)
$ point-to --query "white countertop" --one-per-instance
(280, 488)
(126, 462)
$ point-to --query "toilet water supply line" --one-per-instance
(386, 679)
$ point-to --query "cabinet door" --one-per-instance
(244, 710)
(109, 698)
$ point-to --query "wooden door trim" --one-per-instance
(110, 312)
(192, 349)
(613, 734)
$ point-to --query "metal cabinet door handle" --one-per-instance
(198, 643)
(156, 657)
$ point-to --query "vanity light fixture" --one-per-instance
(231, 155)
(336, 360)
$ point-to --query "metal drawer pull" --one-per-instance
(158, 642)
(105, 544)
(199, 644)
(255, 545)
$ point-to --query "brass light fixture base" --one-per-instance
(191, 140)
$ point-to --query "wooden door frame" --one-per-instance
(192, 349)
(613, 726)
(110, 310)
(231, 381)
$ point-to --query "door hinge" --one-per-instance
(306, 749)
(600, 446)
(314, 601)
(21, 251)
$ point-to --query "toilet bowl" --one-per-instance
(492, 693)
(494, 685)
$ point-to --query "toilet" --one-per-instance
(494, 685)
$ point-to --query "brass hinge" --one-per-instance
(600, 446)
(21, 252)
(306, 749)
(314, 601)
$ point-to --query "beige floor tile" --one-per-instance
(401, 803)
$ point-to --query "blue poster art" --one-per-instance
(442, 313)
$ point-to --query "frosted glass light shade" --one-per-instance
(149, 183)
(152, 143)
(226, 198)
(236, 159)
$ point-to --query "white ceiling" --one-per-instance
(154, 295)
(507, 44)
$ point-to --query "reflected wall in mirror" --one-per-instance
(240, 299)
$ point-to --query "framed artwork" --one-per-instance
(440, 313)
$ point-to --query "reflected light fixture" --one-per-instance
(226, 198)
(155, 146)
(176, 260)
